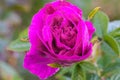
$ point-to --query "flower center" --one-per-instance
(65, 29)
(68, 35)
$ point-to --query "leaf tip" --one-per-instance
(93, 12)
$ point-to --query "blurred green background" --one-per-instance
(15, 16)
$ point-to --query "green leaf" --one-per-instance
(107, 49)
(118, 40)
(111, 69)
(78, 73)
(104, 60)
(112, 43)
(115, 76)
(59, 77)
(87, 66)
(115, 33)
(64, 73)
(100, 21)
(8, 73)
(92, 77)
(21, 44)
(24, 33)
(24, 36)
(65, 70)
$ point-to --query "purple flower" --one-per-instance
(58, 34)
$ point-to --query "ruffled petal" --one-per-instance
(46, 33)
(36, 63)
(91, 28)
(82, 49)
(37, 40)
(85, 37)
(68, 60)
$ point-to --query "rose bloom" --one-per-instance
(57, 34)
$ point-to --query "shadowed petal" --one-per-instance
(91, 28)
(85, 38)
(37, 62)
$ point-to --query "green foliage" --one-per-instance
(112, 43)
(21, 44)
(78, 73)
(64, 73)
(100, 22)
(111, 69)
(115, 76)
(93, 12)
(110, 46)
(24, 33)
(88, 66)
(104, 60)
(115, 33)
(92, 77)
(107, 49)
(65, 70)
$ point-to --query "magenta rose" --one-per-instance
(57, 34)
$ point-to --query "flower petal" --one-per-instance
(37, 41)
(85, 37)
(37, 62)
(65, 60)
(91, 28)
(46, 33)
